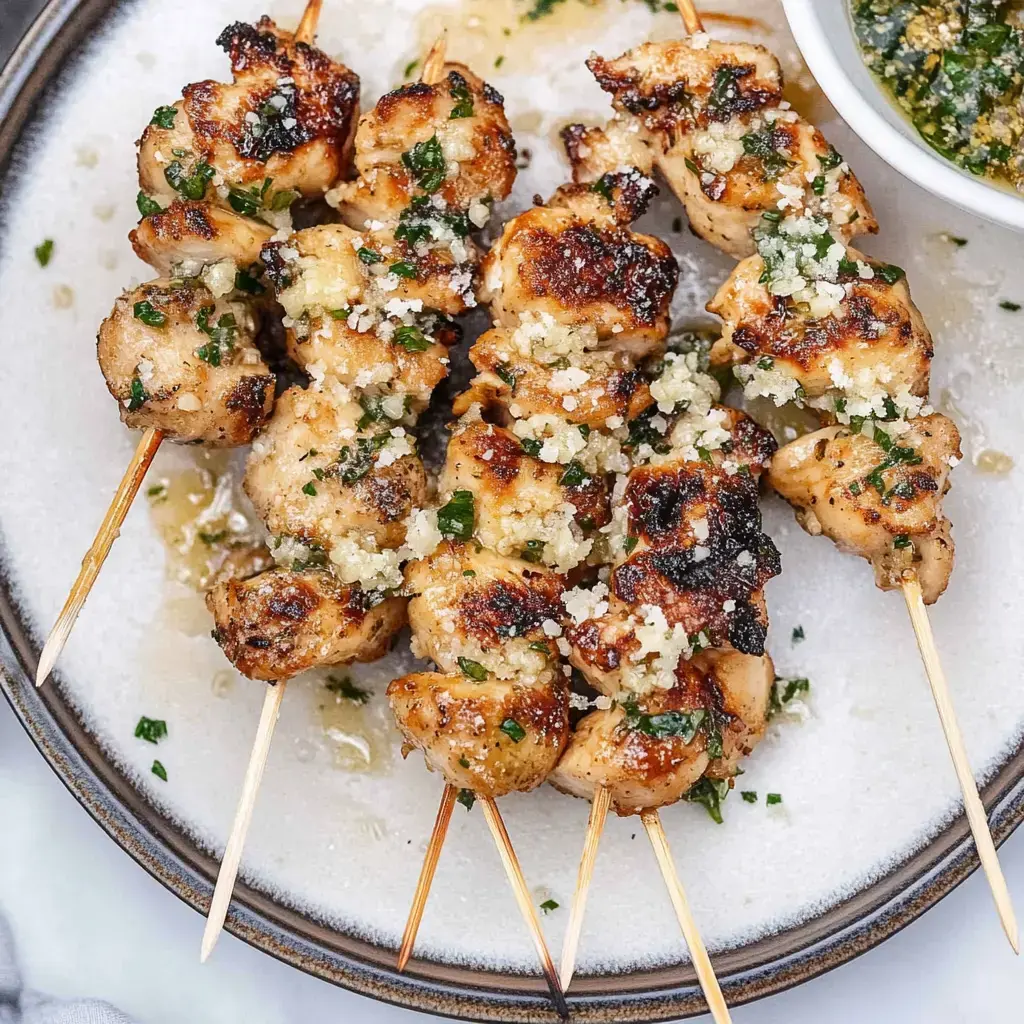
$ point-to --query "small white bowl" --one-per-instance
(823, 30)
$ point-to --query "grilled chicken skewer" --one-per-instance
(335, 474)
(577, 298)
(216, 169)
(809, 318)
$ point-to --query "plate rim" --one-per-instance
(47, 51)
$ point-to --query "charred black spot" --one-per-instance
(261, 643)
(657, 503)
(239, 38)
(274, 266)
(294, 603)
(195, 220)
(747, 632)
(249, 397)
(492, 95)
(501, 610)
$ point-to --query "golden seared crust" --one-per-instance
(673, 87)
(459, 122)
(877, 497)
(492, 737)
(279, 623)
(552, 261)
(515, 492)
(289, 116)
(194, 384)
(876, 325)
(651, 751)
(188, 236)
(314, 474)
(471, 603)
(509, 378)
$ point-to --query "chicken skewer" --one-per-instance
(685, 585)
(809, 318)
(577, 299)
(208, 228)
(368, 313)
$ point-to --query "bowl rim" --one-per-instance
(768, 965)
(916, 161)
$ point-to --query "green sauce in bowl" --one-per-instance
(956, 68)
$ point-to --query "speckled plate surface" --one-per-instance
(870, 834)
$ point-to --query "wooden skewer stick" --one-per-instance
(691, 933)
(97, 554)
(691, 17)
(976, 816)
(595, 826)
(243, 816)
(523, 898)
(306, 32)
(426, 879)
(433, 63)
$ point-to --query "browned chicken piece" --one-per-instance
(651, 751)
(487, 735)
(288, 116)
(873, 350)
(470, 605)
(189, 236)
(554, 263)
(524, 507)
(279, 623)
(431, 150)
(726, 141)
(181, 361)
(517, 379)
(339, 477)
(879, 497)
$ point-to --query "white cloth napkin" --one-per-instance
(19, 1006)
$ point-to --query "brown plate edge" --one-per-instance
(764, 967)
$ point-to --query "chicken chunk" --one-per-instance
(524, 507)
(492, 736)
(727, 143)
(518, 377)
(179, 360)
(288, 118)
(491, 613)
(650, 752)
(870, 356)
(339, 477)
(189, 236)
(279, 623)
(448, 145)
(553, 262)
(877, 496)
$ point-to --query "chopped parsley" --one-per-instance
(473, 669)
(467, 798)
(749, 796)
(138, 395)
(149, 314)
(163, 117)
(221, 335)
(459, 91)
(309, 489)
(345, 688)
(783, 691)
(684, 724)
(507, 375)
(44, 250)
(548, 906)
(427, 164)
(458, 518)
(773, 798)
(209, 539)
(1010, 307)
(247, 281)
(629, 543)
(248, 201)
(798, 635)
(152, 730)
(410, 68)
(159, 770)
(901, 540)
(411, 339)
(368, 256)
(574, 476)
(513, 730)
(404, 269)
(189, 186)
(146, 206)
(531, 446)
(355, 463)
(533, 552)
(710, 793)
(761, 144)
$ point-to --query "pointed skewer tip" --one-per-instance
(306, 32)
(691, 17)
(977, 817)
